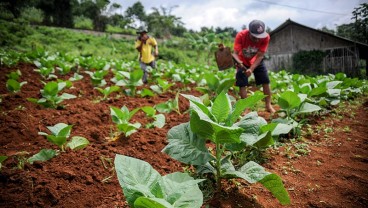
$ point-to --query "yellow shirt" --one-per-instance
(146, 52)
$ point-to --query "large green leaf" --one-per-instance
(187, 147)
(58, 140)
(78, 143)
(205, 127)
(221, 107)
(308, 108)
(43, 155)
(182, 190)
(274, 184)
(60, 129)
(251, 124)
(51, 88)
(146, 202)
(137, 178)
(160, 120)
(242, 104)
(289, 100)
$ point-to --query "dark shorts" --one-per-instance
(260, 75)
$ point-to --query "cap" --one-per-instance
(141, 30)
(257, 29)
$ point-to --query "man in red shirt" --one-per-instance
(250, 47)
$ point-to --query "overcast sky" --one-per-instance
(236, 13)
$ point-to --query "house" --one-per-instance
(340, 54)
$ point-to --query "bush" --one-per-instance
(308, 62)
(113, 29)
(32, 15)
(82, 22)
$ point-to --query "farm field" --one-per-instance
(324, 167)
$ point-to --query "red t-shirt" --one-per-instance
(247, 49)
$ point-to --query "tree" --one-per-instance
(14, 6)
(95, 10)
(325, 29)
(162, 23)
(360, 15)
(136, 14)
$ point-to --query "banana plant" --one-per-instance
(217, 124)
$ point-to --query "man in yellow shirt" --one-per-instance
(145, 44)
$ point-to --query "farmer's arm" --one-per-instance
(155, 46)
(138, 45)
(259, 58)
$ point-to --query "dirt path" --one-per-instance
(328, 169)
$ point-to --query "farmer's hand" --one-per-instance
(248, 72)
(155, 53)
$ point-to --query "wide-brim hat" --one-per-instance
(142, 30)
(257, 29)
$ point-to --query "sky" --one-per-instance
(236, 13)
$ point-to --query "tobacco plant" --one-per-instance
(50, 97)
(121, 117)
(217, 124)
(13, 85)
(131, 80)
(158, 119)
(162, 86)
(144, 187)
(292, 105)
(107, 91)
(59, 135)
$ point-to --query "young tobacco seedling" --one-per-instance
(162, 86)
(121, 118)
(144, 187)
(107, 91)
(97, 77)
(13, 85)
(170, 105)
(59, 135)
(131, 80)
(159, 119)
(216, 123)
(50, 97)
(292, 105)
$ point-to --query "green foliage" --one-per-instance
(32, 15)
(60, 133)
(107, 91)
(50, 97)
(217, 123)
(308, 62)
(14, 86)
(159, 120)
(121, 117)
(43, 155)
(81, 22)
(293, 104)
(144, 187)
(2, 159)
(131, 80)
